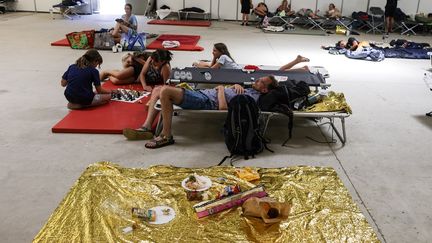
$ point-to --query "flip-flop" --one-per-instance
(159, 142)
(138, 134)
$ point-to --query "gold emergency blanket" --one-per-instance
(98, 207)
(332, 102)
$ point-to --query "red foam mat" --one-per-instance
(187, 42)
(110, 119)
(62, 42)
(198, 23)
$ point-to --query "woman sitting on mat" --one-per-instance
(333, 12)
(126, 24)
(156, 70)
(132, 66)
(221, 59)
(78, 80)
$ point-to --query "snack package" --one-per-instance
(228, 191)
(247, 173)
(146, 215)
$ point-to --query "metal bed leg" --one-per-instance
(315, 24)
(407, 29)
(267, 121)
(159, 126)
(343, 137)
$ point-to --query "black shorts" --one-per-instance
(245, 9)
(390, 11)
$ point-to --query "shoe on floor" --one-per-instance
(137, 134)
(160, 142)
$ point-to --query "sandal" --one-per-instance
(142, 133)
(160, 142)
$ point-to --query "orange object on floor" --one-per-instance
(62, 42)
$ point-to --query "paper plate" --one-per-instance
(160, 217)
(205, 179)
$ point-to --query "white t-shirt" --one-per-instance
(228, 63)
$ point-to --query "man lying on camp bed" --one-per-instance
(206, 99)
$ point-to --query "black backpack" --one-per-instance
(288, 96)
(241, 128)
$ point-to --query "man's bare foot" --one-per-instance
(302, 59)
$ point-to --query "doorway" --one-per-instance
(115, 7)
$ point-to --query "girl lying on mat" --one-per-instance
(156, 70)
(353, 44)
(78, 80)
(221, 59)
(132, 66)
(126, 24)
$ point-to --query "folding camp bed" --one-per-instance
(408, 26)
(67, 11)
(204, 15)
(283, 21)
(331, 116)
(376, 21)
(242, 76)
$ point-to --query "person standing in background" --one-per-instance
(246, 6)
(390, 10)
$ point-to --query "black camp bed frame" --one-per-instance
(242, 76)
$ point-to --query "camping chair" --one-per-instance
(68, 9)
(5, 5)
(376, 21)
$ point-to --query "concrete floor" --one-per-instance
(386, 163)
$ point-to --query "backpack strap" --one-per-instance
(224, 158)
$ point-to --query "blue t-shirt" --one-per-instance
(229, 94)
(79, 89)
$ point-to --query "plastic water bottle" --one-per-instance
(314, 98)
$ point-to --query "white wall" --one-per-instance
(351, 6)
(25, 5)
(296, 5)
(425, 6)
(230, 9)
(173, 4)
